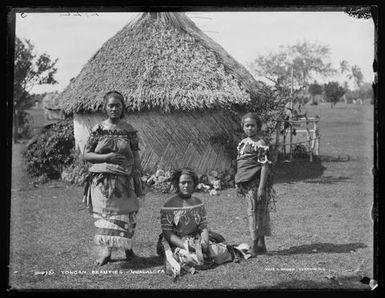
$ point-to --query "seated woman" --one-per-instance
(186, 243)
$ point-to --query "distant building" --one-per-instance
(52, 111)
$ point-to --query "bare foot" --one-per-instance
(261, 249)
(258, 247)
(102, 261)
(105, 256)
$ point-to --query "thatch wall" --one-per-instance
(170, 141)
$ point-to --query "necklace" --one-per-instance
(253, 144)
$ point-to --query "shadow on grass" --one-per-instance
(338, 158)
(142, 262)
(319, 248)
(327, 179)
(297, 170)
(310, 172)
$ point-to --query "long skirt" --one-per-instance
(115, 230)
(114, 205)
(258, 212)
(178, 261)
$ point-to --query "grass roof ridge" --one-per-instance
(155, 66)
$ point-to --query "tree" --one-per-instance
(368, 12)
(347, 92)
(359, 12)
(357, 75)
(294, 66)
(30, 70)
(352, 72)
(344, 67)
(365, 92)
(333, 92)
(315, 89)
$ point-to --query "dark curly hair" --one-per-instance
(184, 171)
(254, 116)
(117, 95)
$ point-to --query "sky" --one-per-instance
(74, 38)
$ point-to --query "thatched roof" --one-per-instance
(161, 61)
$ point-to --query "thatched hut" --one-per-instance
(180, 87)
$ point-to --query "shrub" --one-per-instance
(300, 151)
(51, 151)
(305, 100)
(24, 130)
(76, 172)
(333, 92)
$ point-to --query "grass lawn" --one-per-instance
(322, 229)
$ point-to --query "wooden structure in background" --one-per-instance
(306, 133)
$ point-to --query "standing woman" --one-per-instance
(114, 185)
(254, 181)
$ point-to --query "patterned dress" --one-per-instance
(187, 223)
(251, 156)
(112, 190)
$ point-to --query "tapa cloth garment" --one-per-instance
(115, 230)
(250, 158)
(180, 260)
(187, 223)
(183, 221)
(258, 211)
(110, 168)
(111, 193)
(111, 189)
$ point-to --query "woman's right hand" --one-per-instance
(115, 158)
